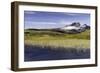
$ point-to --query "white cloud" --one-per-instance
(28, 22)
(71, 14)
(30, 12)
(65, 22)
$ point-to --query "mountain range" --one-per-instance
(75, 27)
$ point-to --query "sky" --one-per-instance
(46, 20)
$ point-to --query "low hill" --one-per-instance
(52, 33)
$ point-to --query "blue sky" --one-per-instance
(43, 20)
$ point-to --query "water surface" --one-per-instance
(36, 53)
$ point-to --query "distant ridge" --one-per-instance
(75, 27)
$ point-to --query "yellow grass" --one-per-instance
(78, 41)
(68, 43)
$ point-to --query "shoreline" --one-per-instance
(55, 47)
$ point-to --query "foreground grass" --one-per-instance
(58, 40)
(68, 43)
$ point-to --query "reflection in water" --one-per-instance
(35, 53)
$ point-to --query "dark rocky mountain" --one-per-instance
(75, 27)
(77, 24)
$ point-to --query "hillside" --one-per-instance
(51, 33)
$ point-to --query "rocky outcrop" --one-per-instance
(75, 27)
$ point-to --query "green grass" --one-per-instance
(56, 39)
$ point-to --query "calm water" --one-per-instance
(34, 53)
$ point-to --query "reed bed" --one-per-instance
(77, 41)
(69, 43)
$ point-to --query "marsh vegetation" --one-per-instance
(56, 39)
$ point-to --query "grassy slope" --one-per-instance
(56, 39)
